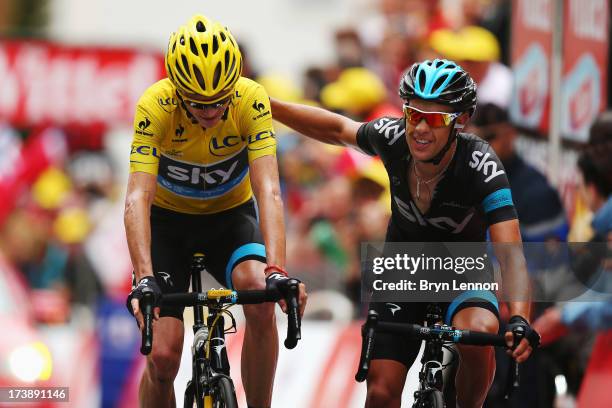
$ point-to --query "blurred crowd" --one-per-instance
(61, 226)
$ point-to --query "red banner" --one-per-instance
(47, 83)
(585, 65)
(532, 23)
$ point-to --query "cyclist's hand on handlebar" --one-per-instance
(519, 331)
(278, 281)
(146, 284)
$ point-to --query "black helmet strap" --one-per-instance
(451, 138)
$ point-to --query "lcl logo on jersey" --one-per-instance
(391, 133)
(266, 134)
(144, 150)
(480, 163)
(168, 104)
(223, 146)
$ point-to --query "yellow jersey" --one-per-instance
(201, 171)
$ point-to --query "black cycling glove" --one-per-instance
(277, 281)
(146, 284)
(520, 328)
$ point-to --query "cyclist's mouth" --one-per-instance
(420, 143)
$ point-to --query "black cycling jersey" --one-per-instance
(473, 194)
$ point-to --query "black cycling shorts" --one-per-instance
(226, 239)
(403, 349)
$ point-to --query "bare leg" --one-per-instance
(477, 366)
(260, 348)
(157, 383)
(386, 379)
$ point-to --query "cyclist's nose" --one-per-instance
(422, 126)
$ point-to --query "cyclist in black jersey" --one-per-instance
(445, 186)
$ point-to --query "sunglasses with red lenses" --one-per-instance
(433, 119)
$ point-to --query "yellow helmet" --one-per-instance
(203, 58)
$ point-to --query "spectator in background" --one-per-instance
(477, 50)
(349, 49)
(541, 222)
(595, 167)
(360, 94)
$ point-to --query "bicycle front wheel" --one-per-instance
(223, 394)
(435, 399)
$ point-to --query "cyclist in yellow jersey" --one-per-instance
(203, 144)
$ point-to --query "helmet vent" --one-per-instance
(215, 45)
(199, 77)
(205, 49)
(226, 61)
(439, 82)
(185, 64)
(169, 71)
(236, 71)
(439, 63)
(193, 47)
(179, 71)
(231, 68)
(174, 46)
(217, 75)
(182, 40)
(200, 27)
(222, 35)
(422, 80)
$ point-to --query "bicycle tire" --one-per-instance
(223, 393)
(189, 400)
(435, 399)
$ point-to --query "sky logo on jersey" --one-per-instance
(391, 133)
(488, 167)
(412, 214)
(202, 181)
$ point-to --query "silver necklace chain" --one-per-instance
(434, 178)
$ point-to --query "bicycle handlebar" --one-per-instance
(221, 297)
(444, 333)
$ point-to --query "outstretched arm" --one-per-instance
(316, 123)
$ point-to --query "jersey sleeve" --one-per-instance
(492, 186)
(148, 131)
(256, 123)
(380, 136)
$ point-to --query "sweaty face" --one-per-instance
(424, 142)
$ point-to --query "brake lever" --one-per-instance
(146, 304)
(294, 324)
(513, 380)
(368, 331)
